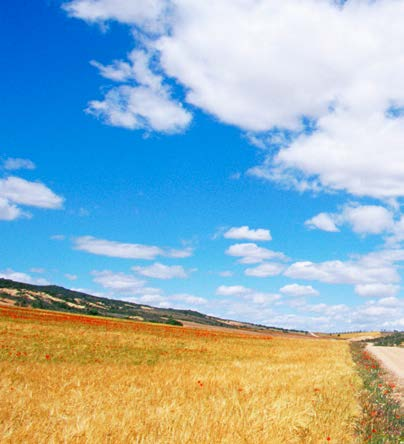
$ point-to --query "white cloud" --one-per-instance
(140, 108)
(34, 194)
(37, 270)
(374, 268)
(109, 248)
(118, 282)
(188, 299)
(299, 290)
(18, 164)
(116, 249)
(9, 211)
(178, 254)
(322, 221)
(377, 290)
(226, 273)
(142, 102)
(264, 270)
(345, 78)
(71, 277)
(58, 237)
(232, 290)
(363, 219)
(140, 12)
(251, 253)
(370, 219)
(161, 271)
(256, 297)
(25, 278)
(245, 232)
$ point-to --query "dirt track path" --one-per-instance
(392, 359)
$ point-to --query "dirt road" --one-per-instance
(392, 359)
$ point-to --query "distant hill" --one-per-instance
(52, 297)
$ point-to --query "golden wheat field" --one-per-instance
(77, 379)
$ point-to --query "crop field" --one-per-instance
(77, 379)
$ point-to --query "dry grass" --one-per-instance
(68, 379)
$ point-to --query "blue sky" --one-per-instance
(238, 159)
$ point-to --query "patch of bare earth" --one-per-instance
(392, 360)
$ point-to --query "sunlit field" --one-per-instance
(77, 379)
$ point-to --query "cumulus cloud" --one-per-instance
(299, 290)
(322, 221)
(245, 232)
(143, 101)
(345, 81)
(248, 294)
(251, 253)
(9, 211)
(232, 290)
(188, 299)
(141, 12)
(374, 268)
(34, 194)
(15, 191)
(377, 290)
(140, 108)
(363, 219)
(109, 248)
(15, 163)
(123, 283)
(161, 271)
(265, 270)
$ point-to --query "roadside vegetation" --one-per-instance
(82, 379)
(395, 339)
(381, 421)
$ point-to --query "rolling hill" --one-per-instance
(52, 297)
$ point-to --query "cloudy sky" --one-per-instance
(244, 158)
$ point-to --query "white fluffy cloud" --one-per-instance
(299, 290)
(265, 270)
(161, 271)
(251, 253)
(245, 232)
(9, 211)
(109, 248)
(322, 221)
(248, 294)
(140, 108)
(34, 194)
(140, 12)
(363, 219)
(188, 299)
(123, 283)
(345, 78)
(377, 290)
(374, 268)
(15, 191)
(143, 101)
(15, 163)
